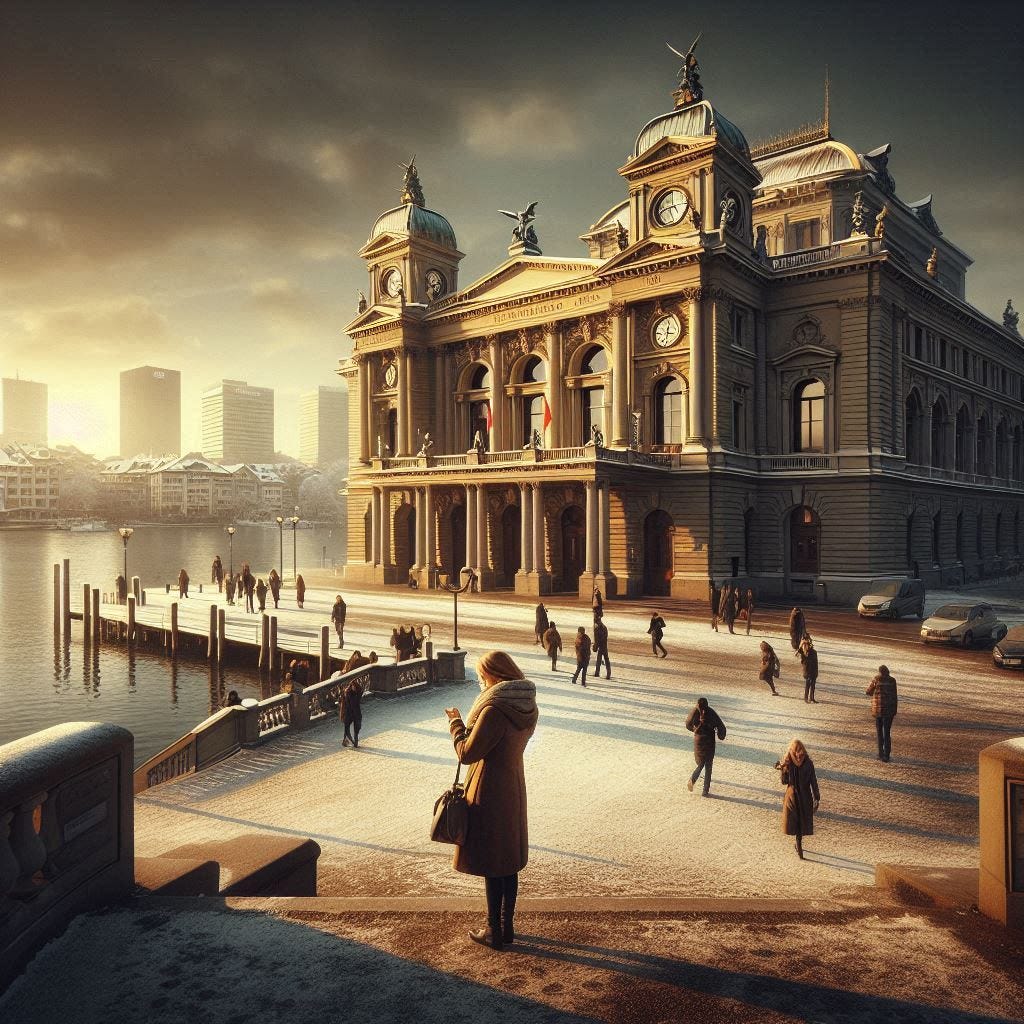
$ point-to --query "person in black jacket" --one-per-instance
(731, 599)
(809, 660)
(704, 723)
(797, 628)
(352, 712)
(657, 631)
(540, 623)
(601, 649)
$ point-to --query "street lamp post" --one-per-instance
(280, 545)
(294, 520)
(455, 591)
(126, 532)
(231, 551)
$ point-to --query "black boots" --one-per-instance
(490, 936)
(508, 935)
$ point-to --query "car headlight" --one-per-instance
(996, 651)
(884, 605)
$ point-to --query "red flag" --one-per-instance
(547, 412)
(490, 419)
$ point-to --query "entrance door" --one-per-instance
(511, 555)
(804, 528)
(658, 529)
(457, 557)
(410, 537)
(574, 546)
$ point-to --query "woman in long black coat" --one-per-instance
(809, 660)
(797, 628)
(802, 795)
(769, 666)
(540, 623)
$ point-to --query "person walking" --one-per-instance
(731, 598)
(261, 594)
(601, 649)
(217, 573)
(657, 631)
(274, 582)
(122, 589)
(714, 597)
(249, 584)
(802, 796)
(182, 584)
(598, 605)
(884, 700)
(338, 618)
(491, 742)
(770, 666)
(723, 598)
(552, 644)
(230, 582)
(797, 628)
(749, 606)
(300, 590)
(352, 712)
(583, 648)
(540, 622)
(704, 723)
(809, 660)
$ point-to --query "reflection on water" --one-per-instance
(140, 687)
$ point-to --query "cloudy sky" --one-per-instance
(186, 184)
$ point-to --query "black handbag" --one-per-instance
(451, 814)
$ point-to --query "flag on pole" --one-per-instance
(547, 412)
(490, 418)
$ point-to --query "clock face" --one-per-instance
(666, 331)
(392, 282)
(436, 284)
(390, 375)
(670, 207)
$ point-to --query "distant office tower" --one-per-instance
(24, 412)
(238, 422)
(323, 426)
(150, 412)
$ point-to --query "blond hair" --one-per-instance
(796, 753)
(498, 665)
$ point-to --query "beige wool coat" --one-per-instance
(497, 841)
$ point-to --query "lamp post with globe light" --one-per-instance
(126, 533)
(280, 545)
(294, 520)
(231, 550)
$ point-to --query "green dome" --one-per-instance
(691, 121)
(416, 221)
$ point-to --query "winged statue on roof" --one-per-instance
(690, 90)
(523, 231)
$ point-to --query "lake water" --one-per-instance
(44, 683)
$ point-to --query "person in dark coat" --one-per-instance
(351, 709)
(657, 631)
(749, 608)
(217, 573)
(583, 647)
(802, 796)
(249, 584)
(723, 598)
(122, 589)
(355, 660)
(884, 700)
(731, 597)
(261, 594)
(714, 597)
(182, 584)
(491, 742)
(809, 660)
(704, 723)
(552, 644)
(598, 605)
(233, 701)
(540, 623)
(274, 582)
(601, 649)
(230, 582)
(770, 666)
(300, 590)
(797, 628)
(338, 613)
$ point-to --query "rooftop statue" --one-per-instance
(880, 221)
(523, 232)
(932, 266)
(361, 303)
(858, 214)
(690, 90)
(412, 190)
(1010, 316)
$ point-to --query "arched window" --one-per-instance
(481, 377)
(529, 403)
(479, 414)
(592, 404)
(939, 435)
(534, 370)
(533, 418)
(912, 429)
(669, 427)
(1002, 453)
(963, 430)
(984, 450)
(809, 417)
(595, 361)
(475, 393)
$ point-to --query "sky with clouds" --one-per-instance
(186, 184)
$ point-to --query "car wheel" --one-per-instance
(967, 640)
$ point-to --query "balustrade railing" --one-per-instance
(274, 713)
(776, 463)
(806, 257)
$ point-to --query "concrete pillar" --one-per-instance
(325, 651)
(539, 559)
(66, 596)
(174, 627)
(698, 384)
(56, 597)
(96, 613)
(222, 640)
(211, 640)
(602, 528)
(364, 409)
(136, 589)
(375, 526)
(498, 441)
(273, 657)
(429, 533)
(403, 407)
(86, 612)
(131, 617)
(556, 432)
(482, 560)
(525, 528)
(591, 551)
(620, 374)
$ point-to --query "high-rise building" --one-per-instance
(24, 412)
(323, 426)
(150, 412)
(238, 422)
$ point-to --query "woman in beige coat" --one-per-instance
(491, 742)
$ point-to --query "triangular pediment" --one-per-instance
(647, 250)
(373, 316)
(522, 275)
(671, 148)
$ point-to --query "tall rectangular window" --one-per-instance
(806, 234)
(942, 353)
(739, 434)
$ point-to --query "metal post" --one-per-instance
(56, 597)
(174, 628)
(295, 568)
(222, 640)
(86, 613)
(66, 596)
(211, 646)
(325, 651)
(96, 613)
(455, 617)
(131, 617)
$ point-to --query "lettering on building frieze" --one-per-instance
(527, 312)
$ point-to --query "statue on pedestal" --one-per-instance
(690, 90)
(1010, 316)
(425, 447)
(361, 303)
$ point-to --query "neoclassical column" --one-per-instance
(556, 385)
(525, 528)
(591, 551)
(698, 385)
(402, 410)
(620, 374)
(497, 438)
(429, 533)
(385, 526)
(482, 563)
(602, 528)
(375, 527)
(470, 526)
(369, 426)
(761, 382)
(539, 559)
(364, 405)
(418, 531)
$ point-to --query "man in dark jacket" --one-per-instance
(583, 648)
(338, 613)
(882, 691)
(714, 597)
(706, 726)
(552, 641)
(352, 712)
(230, 582)
(731, 598)
(540, 623)
(809, 660)
(601, 649)
(657, 630)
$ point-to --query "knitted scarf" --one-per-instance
(516, 695)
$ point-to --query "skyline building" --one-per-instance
(238, 422)
(25, 412)
(323, 426)
(150, 411)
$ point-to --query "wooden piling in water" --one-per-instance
(66, 596)
(272, 652)
(222, 640)
(131, 618)
(137, 589)
(56, 597)
(86, 613)
(174, 628)
(264, 641)
(211, 647)
(325, 651)
(96, 613)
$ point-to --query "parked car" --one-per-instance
(892, 598)
(962, 624)
(1009, 651)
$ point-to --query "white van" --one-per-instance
(893, 598)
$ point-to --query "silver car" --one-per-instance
(1009, 651)
(962, 624)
